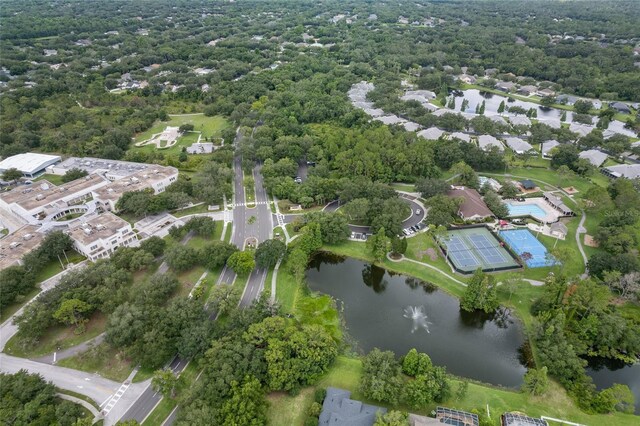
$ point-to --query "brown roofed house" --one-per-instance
(472, 207)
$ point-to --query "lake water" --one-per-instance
(375, 305)
(605, 373)
(492, 103)
(489, 348)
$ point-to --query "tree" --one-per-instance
(415, 363)
(224, 298)
(216, 253)
(180, 258)
(501, 108)
(426, 388)
(242, 262)
(15, 282)
(509, 190)
(398, 245)
(166, 382)
(11, 175)
(429, 187)
(246, 404)
(496, 205)
(619, 398)
(391, 418)
(536, 381)
(582, 106)
(297, 264)
(563, 117)
(73, 174)
(154, 245)
(381, 378)
(547, 101)
(465, 175)
(269, 252)
(480, 293)
(187, 127)
(378, 244)
(72, 312)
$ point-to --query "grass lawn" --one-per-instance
(249, 191)
(286, 289)
(104, 360)
(57, 338)
(200, 208)
(54, 179)
(407, 187)
(209, 126)
(53, 267)
(227, 235)
(346, 372)
(187, 280)
(8, 311)
(183, 141)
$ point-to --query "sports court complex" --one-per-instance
(523, 241)
(476, 247)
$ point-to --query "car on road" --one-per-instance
(418, 211)
(298, 179)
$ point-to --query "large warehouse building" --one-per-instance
(30, 164)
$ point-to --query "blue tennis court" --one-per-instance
(528, 248)
(476, 247)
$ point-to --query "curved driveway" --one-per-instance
(412, 220)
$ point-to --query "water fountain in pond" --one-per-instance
(419, 318)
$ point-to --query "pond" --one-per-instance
(397, 313)
(606, 372)
(492, 103)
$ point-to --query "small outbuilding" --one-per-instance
(528, 184)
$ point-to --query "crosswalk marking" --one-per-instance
(111, 402)
(259, 203)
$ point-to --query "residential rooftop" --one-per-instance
(472, 205)
(629, 171)
(339, 410)
(595, 157)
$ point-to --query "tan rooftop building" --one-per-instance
(156, 179)
(472, 207)
(14, 246)
(31, 203)
(100, 236)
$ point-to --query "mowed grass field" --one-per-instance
(208, 126)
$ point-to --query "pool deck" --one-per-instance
(551, 214)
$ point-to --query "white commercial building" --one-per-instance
(156, 179)
(30, 164)
(100, 236)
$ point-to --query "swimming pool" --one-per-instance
(532, 210)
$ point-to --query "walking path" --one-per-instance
(72, 351)
(96, 414)
(579, 231)
(438, 270)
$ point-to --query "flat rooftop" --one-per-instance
(100, 165)
(28, 163)
(135, 182)
(100, 227)
(43, 192)
(16, 245)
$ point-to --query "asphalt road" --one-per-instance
(412, 220)
(149, 398)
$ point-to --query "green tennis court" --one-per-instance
(476, 247)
